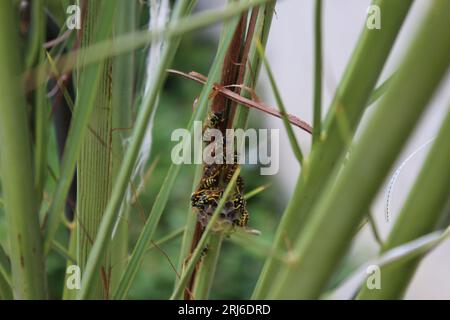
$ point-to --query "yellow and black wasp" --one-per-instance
(214, 120)
(211, 175)
(214, 179)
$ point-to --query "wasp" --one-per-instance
(230, 169)
(239, 181)
(240, 184)
(214, 120)
(243, 219)
(238, 201)
(241, 215)
(209, 182)
(210, 177)
(203, 198)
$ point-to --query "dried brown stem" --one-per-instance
(229, 75)
(261, 106)
(243, 63)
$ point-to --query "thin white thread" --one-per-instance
(159, 15)
(396, 175)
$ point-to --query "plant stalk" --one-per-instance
(16, 166)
